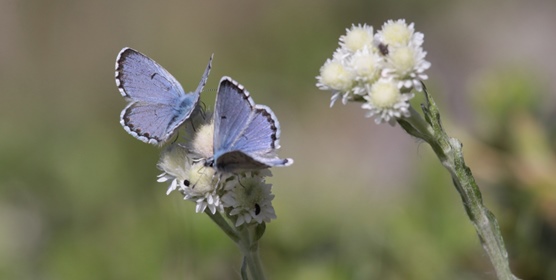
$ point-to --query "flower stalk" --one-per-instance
(384, 70)
(246, 237)
(249, 247)
(449, 152)
(223, 225)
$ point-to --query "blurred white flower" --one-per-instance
(210, 200)
(249, 198)
(203, 188)
(202, 144)
(175, 164)
(192, 179)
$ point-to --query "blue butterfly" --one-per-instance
(158, 104)
(246, 135)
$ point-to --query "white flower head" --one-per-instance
(407, 64)
(357, 37)
(366, 65)
(337, 77)
(203, 188)
(188, 130)
(210, 200)
(193, 179)
(249, 198)
(398, 33)
(202, 144)
(175, 164)
(382, 69)
(386, 102)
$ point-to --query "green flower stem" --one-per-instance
(249, 246)
(449, 152)
(224, 225)
(417, 126)
(247, 240)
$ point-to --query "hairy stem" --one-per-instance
(449, 152)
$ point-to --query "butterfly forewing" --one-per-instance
(140, 78)
(232, 111)
(204, 78)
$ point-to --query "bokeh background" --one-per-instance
(79, 197)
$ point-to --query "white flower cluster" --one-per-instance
(245, 197)
(380, 69)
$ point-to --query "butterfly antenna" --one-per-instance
(177, 137)
(193, 125)
(239, 182)
(195, 160)
(203, 107)
(195, 184)
(200, 171)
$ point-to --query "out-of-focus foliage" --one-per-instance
(79, 198)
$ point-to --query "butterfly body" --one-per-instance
(158, 105)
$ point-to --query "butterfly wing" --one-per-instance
(140, 78)
(246, 135)
(155, 96)
(232, 111)
(149, 122)
(236, 161)
(204, 78)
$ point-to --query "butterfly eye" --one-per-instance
(257, 209)
(186, 183)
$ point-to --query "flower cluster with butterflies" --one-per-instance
(380, 69)
(220, 159)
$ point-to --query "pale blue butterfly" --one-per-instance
(246, 135)
(158, 105)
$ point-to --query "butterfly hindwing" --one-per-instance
(152, 132)
(237, 160)
(261, 136)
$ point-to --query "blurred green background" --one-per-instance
(79, 197)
